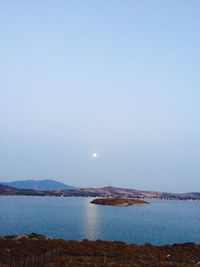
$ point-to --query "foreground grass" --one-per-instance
(39, 251)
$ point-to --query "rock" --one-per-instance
(118, 201)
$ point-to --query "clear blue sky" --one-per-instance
(120, 78)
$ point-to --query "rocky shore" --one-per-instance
(39, 251)
(118, 201)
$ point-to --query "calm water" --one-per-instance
(160, 222)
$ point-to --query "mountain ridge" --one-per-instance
(44, 184)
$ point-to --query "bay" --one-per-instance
(160, 222)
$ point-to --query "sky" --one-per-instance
(116, 78)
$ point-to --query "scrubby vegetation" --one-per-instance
(38, 251)
(117, 201)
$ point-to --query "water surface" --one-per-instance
(161, 222)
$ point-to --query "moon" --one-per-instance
(94, 155)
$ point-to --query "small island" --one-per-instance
(118, 201)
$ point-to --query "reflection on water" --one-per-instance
(90, 222)
(161, 222)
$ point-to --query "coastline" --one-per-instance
(103, 192)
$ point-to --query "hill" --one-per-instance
(39, 185)
(133, 193)
(127, 192)
(92, 192)
(7, 190)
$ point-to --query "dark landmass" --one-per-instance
(117, 201)
(133, 193)
(39, 185)
(7, 190)
(99, 192)
(38, 251)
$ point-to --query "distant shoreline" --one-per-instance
(99, 192)
(89, 196)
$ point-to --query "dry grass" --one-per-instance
(37, 251)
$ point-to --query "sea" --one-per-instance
(75, 218)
